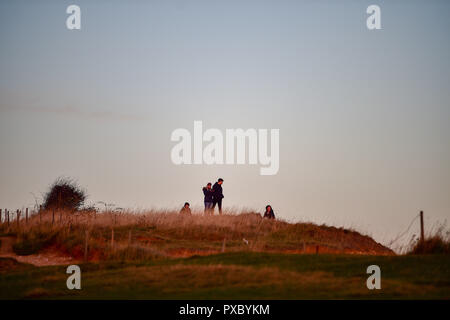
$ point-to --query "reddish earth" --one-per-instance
(49, 257)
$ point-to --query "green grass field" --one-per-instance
(238, 275)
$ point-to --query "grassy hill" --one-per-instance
(164, 255)
(151, 235)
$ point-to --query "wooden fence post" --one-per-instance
(7, 215)
(223, 244)
(0, 216)
(86, 239)
(422, 233)
(112, 240)
(26, 215)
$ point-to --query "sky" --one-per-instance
(364, 115)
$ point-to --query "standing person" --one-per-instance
(186, 210)
(218, 195)
(209, 202)
(269, 212)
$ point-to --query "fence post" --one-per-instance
(7, 215)
(422, 237)
(86, 239)
(223, 244)
(26, 215)
(0, 216)
(18, 217)
(112, 239)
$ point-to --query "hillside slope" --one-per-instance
(157, 234)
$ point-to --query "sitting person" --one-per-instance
(186, 209)
(269, 212)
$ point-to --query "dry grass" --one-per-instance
(436, 242)
(135, 235)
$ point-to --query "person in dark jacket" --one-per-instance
(209, 202)
(186, 210)
(269, 212)
(218, 195)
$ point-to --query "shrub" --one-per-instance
(434, 245)
(64, 193)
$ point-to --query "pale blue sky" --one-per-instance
(364, 116)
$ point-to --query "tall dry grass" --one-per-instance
(437, 241)
(154, 234)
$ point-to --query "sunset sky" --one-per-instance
(364, 116)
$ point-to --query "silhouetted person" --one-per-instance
(269, 213)
(218, 195)
(209, 202)
(186, 209)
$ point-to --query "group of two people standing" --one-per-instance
(213, 196)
